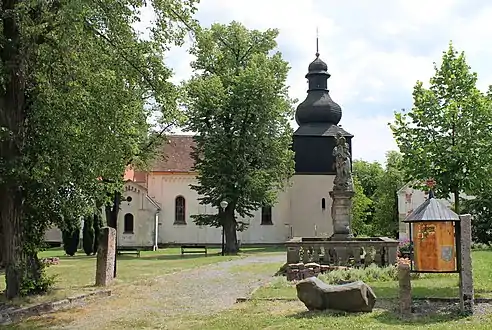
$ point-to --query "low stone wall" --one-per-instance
(14, 314)
(300, 271)
(354, 252)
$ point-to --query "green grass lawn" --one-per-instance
(292, 314)
(75, 275)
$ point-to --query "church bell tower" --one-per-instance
(313, 143)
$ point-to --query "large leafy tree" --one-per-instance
(447, 134)
(481, 210)
(77, 85)
(386, 217)
(361, 217)
(369, 174)
(238, 106)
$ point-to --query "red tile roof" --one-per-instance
(175, 155)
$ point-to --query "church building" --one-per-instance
(157, 205)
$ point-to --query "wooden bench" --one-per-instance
(193, 249)
(121, 251)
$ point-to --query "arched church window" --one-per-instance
(266, 215)
(128, 224)
(323, 203)
(180, 211)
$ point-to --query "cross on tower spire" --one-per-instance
(317, 43)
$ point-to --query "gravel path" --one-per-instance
(202, 290)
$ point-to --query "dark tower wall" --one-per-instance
(314, 154)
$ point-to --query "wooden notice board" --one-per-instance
(434, 246)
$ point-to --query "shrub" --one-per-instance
(98, 224)
(372, 273)
(480, 246)
(37, 282)
(88, 235)
(71, 241)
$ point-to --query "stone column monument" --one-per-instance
(106, 257)
(467, 294)
(343, 191)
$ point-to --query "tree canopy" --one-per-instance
(77, 86)
(446, 135)
(386, 217)
(375, 211)
(237, 103)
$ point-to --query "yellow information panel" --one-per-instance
(434, 246)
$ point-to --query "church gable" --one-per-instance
(136, 194)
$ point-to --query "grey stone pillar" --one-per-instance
(341, 214)
(293, 255)
(466, 272)
(106, 257)
(405, 292)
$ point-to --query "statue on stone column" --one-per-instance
(343, 179)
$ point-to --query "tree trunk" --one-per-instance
(12, 118)
(457, 205)
(14, 258)
(113, 210)
(112, 220)
(97, 228)
(1, 247)
(230, 234)
(396, 215)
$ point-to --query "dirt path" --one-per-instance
(149, 304)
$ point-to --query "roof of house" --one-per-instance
(175, 155)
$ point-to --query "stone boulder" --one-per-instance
(351, 297)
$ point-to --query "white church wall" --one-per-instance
(164, 188)
(308, 217)
(143, 213)
(277, 232)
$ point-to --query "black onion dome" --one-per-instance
(317, 66)
(318, 107)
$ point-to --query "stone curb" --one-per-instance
(430, 299)
(8, 317)
(250, 295)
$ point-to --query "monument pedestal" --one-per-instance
(341, 213)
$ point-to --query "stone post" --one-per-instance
(466, 272)
(405, 293)
(106, 257)
(341, 213)
(293, 255)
